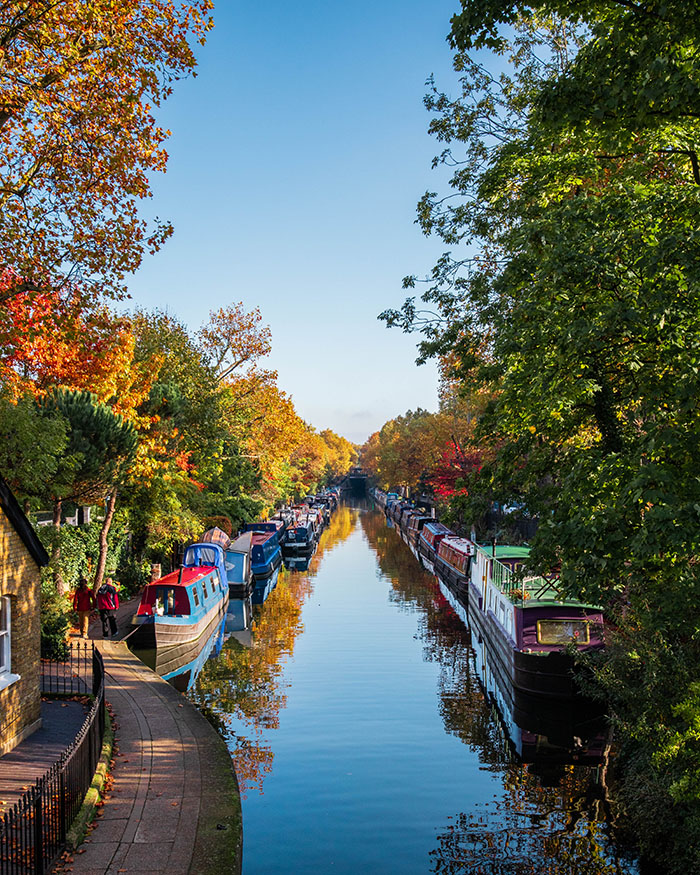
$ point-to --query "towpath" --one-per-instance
(174, 806)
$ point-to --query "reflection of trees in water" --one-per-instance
(246, 684)
(549, 820)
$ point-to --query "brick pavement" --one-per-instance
(174, 806)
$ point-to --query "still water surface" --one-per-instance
(363, 741)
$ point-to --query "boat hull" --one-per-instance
(155, 631)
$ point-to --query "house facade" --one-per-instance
(21, 558)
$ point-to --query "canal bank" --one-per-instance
(174, 804)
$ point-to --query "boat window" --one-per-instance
(204, 588)
(563, 632)
(165, 601)
(196, 596)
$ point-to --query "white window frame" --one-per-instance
(6, 675)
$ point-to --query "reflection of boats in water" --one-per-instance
(264, 586)
(180, 664)
(541, 730)
(298, 560)
(239, 616)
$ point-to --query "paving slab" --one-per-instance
(160, 815)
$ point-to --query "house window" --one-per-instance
(6, 676)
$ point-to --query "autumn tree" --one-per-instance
(233, 340)
(78, 140)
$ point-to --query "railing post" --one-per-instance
(62, 799)
(38, 833)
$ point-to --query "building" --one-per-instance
(21, 558)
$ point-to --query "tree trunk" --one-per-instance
(56, 551)
(104, 531)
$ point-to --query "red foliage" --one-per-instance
(453, 465)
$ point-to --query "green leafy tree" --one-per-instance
(100, 448)
(574, 299)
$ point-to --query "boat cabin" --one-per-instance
(456, 552)
(275, 526)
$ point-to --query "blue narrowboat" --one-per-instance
(179, 607)
(302, 535)
(265, 553)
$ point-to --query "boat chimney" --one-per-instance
(179, 577)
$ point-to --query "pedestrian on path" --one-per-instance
(107, 604)
(83, 603)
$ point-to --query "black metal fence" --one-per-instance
(33, 832)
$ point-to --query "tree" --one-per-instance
(100, 448)
(234, 339)
(31, 446)
(78, 140)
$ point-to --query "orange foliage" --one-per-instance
(78, 139)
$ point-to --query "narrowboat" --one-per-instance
(429, 540)
(181, 606)
(302, 535)
(286, 516)
(239, 568)
(529, 622)
(452, 562)
(413, 527)
(265, 553)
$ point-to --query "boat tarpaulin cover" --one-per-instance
(216, 536)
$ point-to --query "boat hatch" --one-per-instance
(163, 601)
(563, 632)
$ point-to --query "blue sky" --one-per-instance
(297, 157)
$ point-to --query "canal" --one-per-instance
(365, 742)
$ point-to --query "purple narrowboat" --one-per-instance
(529, 622)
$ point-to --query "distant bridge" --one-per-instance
(356, 482)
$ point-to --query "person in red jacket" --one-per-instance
(83, 603)
(107, 604)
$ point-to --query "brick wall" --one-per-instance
(20, 703)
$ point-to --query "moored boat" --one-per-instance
(429, 540)
(179, 607)
(302, 535)
(239, 569)
(530, 622)
(265, 554)
(453, 560)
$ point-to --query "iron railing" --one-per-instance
(33, 831)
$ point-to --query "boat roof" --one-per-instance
(435, 526)
(463, 545)
(189, 575)
(242, 544)
(216, 536)
(506, 551)
(262, 537)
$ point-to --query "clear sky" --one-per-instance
(297, 157)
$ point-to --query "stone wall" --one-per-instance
(20, 579)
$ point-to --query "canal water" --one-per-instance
(364, 741)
